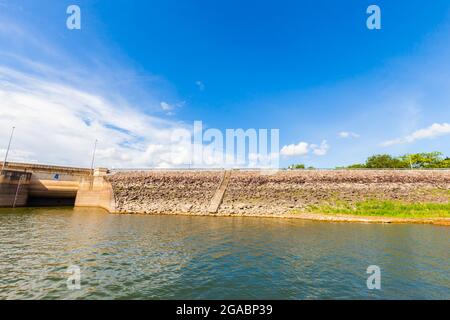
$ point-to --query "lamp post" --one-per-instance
(7, 150)
(93, 157)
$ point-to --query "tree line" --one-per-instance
(424, 160)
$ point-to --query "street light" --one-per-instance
(7, 150)
(93, 157)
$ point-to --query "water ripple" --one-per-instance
(181, 257)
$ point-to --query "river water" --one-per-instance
(181, 257)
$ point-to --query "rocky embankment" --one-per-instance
(254, 192)
(164, 191)
(288, 191)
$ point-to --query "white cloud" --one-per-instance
(322, 149)
(56, 123)
(169, 108)
(300, 149)
(433, 131)
(200, 85)
(165, 106)
(19, 155)
(347, 134)
(59, 114)
(303, 148)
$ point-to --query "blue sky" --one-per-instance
(309, 68)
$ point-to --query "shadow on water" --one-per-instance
(50, 202)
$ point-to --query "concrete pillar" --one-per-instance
(96, 191)
(14, 188)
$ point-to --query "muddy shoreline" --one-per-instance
(309, 217)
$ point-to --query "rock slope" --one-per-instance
(164, 191)
(256, 192)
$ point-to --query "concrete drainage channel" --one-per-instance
(217, 199)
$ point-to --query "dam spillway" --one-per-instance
(24, 184)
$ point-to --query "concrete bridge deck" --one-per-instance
(42, 168)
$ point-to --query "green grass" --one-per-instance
(439, 192)
(386, 209)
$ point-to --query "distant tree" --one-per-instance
(381, 161)
(424, 160)
(445, 163)
(296, 166)
(355, 166)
